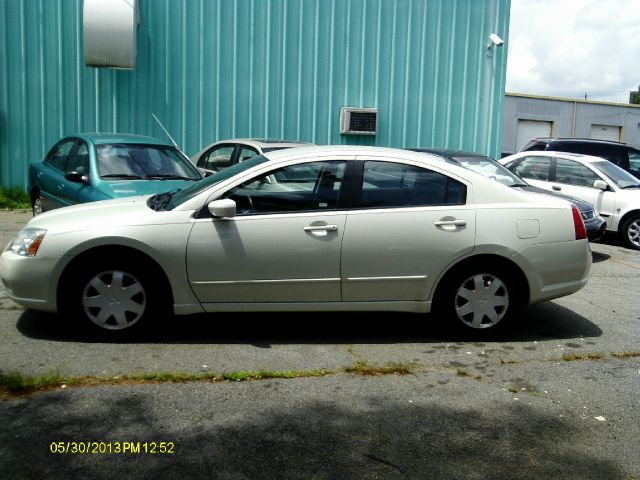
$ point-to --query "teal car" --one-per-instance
(88, 167)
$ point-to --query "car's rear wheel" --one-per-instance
(631, 232)
(479, 300)
(115, 299)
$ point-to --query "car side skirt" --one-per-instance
(399, 306)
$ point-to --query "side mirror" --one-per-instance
(225, 208)
(601, 184)
(76, 177)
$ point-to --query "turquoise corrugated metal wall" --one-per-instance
(215, 69)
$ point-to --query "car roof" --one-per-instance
(448, 152)
(99, 138)
(265, 142)
(576, 140)
(552, 153)
(356, 150)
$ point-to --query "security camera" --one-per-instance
(495, 40)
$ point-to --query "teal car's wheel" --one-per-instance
(36, 205)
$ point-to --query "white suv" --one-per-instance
(614, 192)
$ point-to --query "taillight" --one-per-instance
(578, 223)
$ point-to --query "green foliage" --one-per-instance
(634, 97)
(362, 367)
(17, 383)
(14, 197)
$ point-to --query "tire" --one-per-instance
(479, 300)
(630, 232)
(116, 299)
(36, 205)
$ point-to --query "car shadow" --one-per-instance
(612, 239)
(533, 323)
(598, 257)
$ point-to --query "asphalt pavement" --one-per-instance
(556, 396)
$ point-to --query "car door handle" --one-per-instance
(556, 188)
(318, 228)
(450, 223)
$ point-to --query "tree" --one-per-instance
(634, 97)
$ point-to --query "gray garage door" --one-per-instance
(528, 129)
(605, 132)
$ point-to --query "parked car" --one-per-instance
(614, 192)
(223, 154)
(490, 168)
(87, 167)
(341, 228)
(623, 155)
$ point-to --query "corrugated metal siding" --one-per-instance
(571, 118)
(257, 68)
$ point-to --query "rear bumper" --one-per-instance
(555, 269)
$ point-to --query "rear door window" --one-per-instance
(388, 184)
(534, 168)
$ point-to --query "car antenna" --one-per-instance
(167, 133)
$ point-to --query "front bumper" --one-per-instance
(595, 227)
(29, 281)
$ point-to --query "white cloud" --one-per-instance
(571, 47)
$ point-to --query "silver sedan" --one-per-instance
(307, 229)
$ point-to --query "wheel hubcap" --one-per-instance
(37, 206)
(633, 232)
(114, 300)
(481, 301)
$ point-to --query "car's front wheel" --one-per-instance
(631, 232)
(480, 299)
(115, 299)
(36, 205)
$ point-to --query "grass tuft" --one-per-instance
(571, 357)
(17, 383)
(362, 367)
(626, 354)
(14, 197)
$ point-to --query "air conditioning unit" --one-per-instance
(358, 121)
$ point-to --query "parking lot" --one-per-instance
(556, 396)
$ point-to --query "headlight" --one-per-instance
(27, 242)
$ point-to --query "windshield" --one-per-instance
(117, 161)
(491, 169)
(617, 175)
(193, 190)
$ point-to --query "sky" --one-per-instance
(569, 48)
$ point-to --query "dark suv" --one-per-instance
(623, 155)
